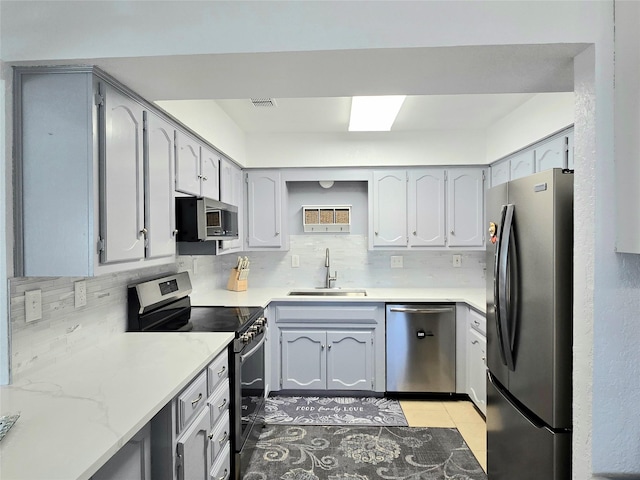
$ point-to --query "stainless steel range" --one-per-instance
(163, 305)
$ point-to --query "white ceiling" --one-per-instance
(331, 114)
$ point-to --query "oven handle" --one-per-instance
(254, 349)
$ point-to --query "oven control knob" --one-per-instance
(247, 337)
(261, 322)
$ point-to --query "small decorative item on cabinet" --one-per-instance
(326, 218)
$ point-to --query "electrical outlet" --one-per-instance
(396, 261)
(80, 289)
(33, 305)
(295, 261)
(457, 261)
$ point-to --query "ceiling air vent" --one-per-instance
(264, 102)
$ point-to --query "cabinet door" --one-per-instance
(210, 173)
(187, 164)
(194, 449)
(264, 197)
(159, 205)
(426, 208)
(465, 207)
(551, 154)
(349, 360)
(500, 173)
(122, 201)
(476, 369)
(522, 164)
(390, 208)
(304, 364)
(231, 193)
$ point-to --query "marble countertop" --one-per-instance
(474, 297)
(76, 414)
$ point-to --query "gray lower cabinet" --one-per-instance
(476, 360)
(132, 461)
(191, 435)
(333, 359)
(329, 346)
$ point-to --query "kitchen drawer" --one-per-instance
(191, 400)
(477, 321)
(219, 401)
(217, 371)
(220, 435)
(221, 469)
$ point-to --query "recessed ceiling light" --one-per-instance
(374, 114)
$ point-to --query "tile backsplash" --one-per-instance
(64, 328)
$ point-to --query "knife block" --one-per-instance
(235, 284)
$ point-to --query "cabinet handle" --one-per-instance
(329, 346)
(195, 402)
(322, 346)
(476, 322)
(223, 404)
(474, 342)
(224, 475)
(144, 232)
(376, 233)
(452, 232)
(224, 369)
(277, 233)
(224, 438)
(204, 179)
(415, 233)
(175, 232)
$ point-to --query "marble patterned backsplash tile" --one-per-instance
(64, 328)
(356, 266)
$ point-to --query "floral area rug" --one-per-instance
(333, 411)
(362, 453)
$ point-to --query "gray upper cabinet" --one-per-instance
(159, 176)
(522, 164)
(197, 167)
(389, 208)
(122, 203)
(86, 188)
(426, 208)
(465, 207)
(553, 152)
(264, 209)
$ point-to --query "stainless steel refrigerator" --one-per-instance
(529, 327)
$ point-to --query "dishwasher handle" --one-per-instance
(422, 310)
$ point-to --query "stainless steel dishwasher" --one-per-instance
(421, 348)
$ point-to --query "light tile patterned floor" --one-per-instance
(456, 413)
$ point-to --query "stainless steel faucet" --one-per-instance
(329, 278)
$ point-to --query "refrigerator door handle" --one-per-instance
(506, 287)
(496, 287)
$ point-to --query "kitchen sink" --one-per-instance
(329, 292)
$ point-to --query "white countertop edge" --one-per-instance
(474, 297)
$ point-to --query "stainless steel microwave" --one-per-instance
(199, 219)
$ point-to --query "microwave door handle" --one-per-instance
(201, 219)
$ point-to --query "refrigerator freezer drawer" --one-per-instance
(421, 348)
(518, 449)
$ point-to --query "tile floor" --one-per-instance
(456, 413)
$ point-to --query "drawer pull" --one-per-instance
(224, 475)
(476, 322)
(195, 402)
(474, 342)
(224, 438)
(221, 372)
(223, 404)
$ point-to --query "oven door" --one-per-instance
(249, 396)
